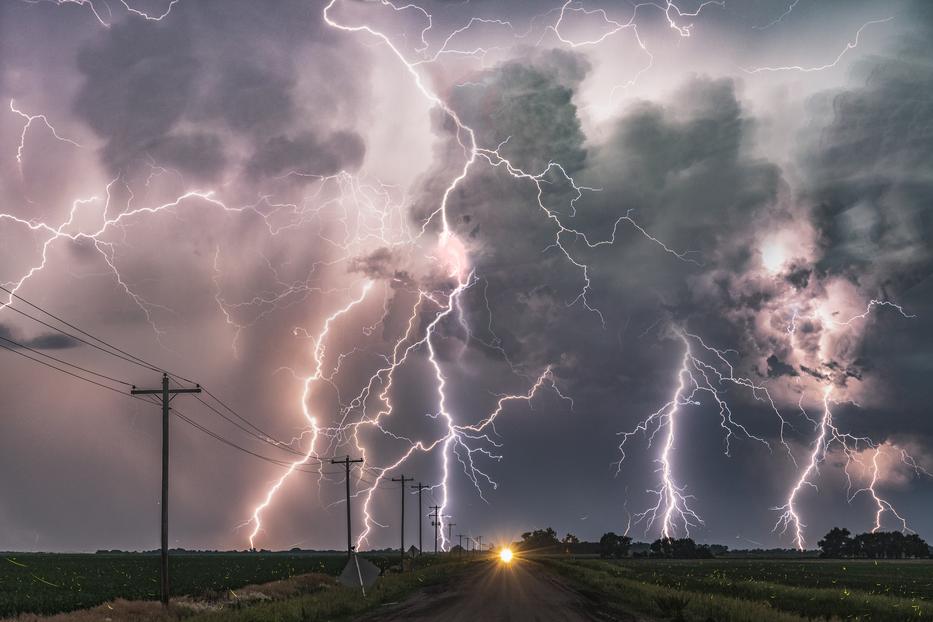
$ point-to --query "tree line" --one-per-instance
(614, 546)
(839, 543)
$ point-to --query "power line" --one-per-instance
(58, 360)
(77, 338)
(126, 356)
(262, 436)
(131, 357)
(242, 418)
(64, 371)
(181, 416)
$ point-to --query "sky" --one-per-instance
(661, 269)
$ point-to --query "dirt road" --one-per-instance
(496, 592)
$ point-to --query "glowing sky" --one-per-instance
(482, 243)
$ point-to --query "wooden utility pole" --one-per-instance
(435, 522)
(460, 552)
(346, 462)
(420, 487)
(166, 394)
(449, 525)
(403, 479)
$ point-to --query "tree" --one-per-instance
(680, 548)
(916, 547)
(836, 543)
(539, 539)
(612, 546)
(718, 549)
(888, 545)
(662, 547)
(569, 541)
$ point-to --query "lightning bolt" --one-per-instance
(107, 23)
(851, 45)
(829, 436)
(696, 376)
(704, 370)
(780, 18)
(318, 353)
(30, 118)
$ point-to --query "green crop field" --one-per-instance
(51, 583)
(732, 590)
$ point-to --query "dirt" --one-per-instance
(497, 592)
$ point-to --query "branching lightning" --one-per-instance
(438, 308)
(851, 45)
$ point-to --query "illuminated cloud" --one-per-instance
(456, 244)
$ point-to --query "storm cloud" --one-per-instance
(276, 208)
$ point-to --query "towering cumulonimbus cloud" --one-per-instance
(453, 239)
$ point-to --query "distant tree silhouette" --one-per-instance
(612, 546)
(539, 539)
(679, 548)
(879, 545)
(837, 543)
(570, 541)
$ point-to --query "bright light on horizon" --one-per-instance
(505, 555)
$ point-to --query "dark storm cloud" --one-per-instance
(382, 264)
(46, 341)
(200, 155)
(869, 171)
(139, 81)
(251, 98)
(868, 177)
(529, 104)
(146, 85)
(241, 92)
(684, 169)
(777, 367)
(308, 154)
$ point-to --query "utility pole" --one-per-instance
(166, 394)
(480, 538)
(449, 525)
(435, 522)
(403, 479)
(346, 462)
(420, 487)
(460, 553)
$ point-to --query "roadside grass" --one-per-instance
(49, 583)
(337, 602)
(616, 595)
(643, 586)
(900, 578)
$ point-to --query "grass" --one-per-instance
(52, 583)
(305, 598)
(342, 603)
(760, 590)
